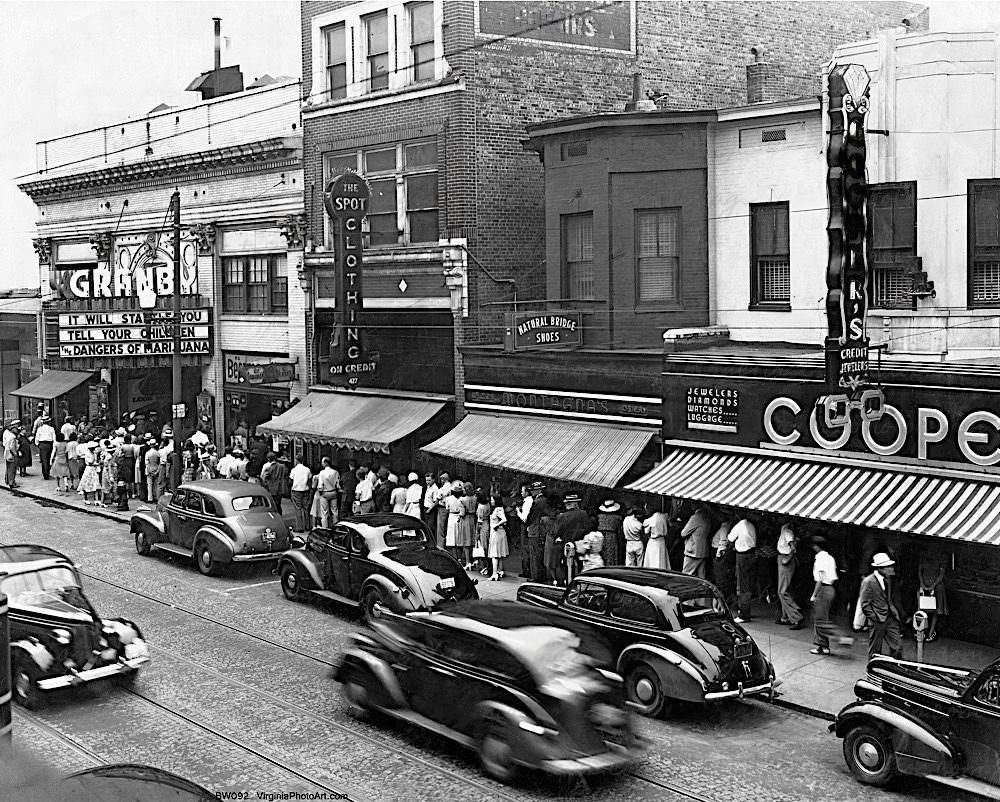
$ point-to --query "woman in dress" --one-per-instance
(23, 452)
(497, 548)
(551, 553)
(60, 465)
(931, 572)
(609, 524)
(482, 531)
(456, 511)
(444, 491)
(109, 473)
(90, 481)
(126, 465)
(189, 462)
(467, 525)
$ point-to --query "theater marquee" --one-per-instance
(132, 334)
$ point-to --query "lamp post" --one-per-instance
(178, 394)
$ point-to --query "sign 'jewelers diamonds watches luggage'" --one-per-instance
(346, 199)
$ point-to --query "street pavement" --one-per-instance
(238, 698)
(816, 684)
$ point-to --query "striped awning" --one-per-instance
(918, 503)
(587, 453)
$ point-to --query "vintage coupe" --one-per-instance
(383, 558)
(672, 636)
(215, 521)
(519, 686)
(57, 639)
(938, 722)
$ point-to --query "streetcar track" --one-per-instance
(55, 732)
(676, 789)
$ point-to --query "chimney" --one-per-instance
(218, 42)
(639, 101)
(764, 81)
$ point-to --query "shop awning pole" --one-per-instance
(178, 394)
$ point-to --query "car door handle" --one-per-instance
(443, 671)
(345, 559)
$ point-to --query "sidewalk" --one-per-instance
(812, 683)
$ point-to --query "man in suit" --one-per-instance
(696, 534)
(878, 603)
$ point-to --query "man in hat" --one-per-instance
(571, 526)
(534, 507)
(878, 603)
(39, 414)
(45, 440)
(151, 468)
(10, 451)
(696, 534)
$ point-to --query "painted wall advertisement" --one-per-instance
(576, 23)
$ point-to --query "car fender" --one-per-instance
(125, 630)
(151, 522)
(356, 659)
(393, 594)
(679, 677)
(307, 566)
(35, 650)
(919, 750)
(219, 544)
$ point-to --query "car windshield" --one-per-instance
(699, 604)
(244, 503)
(553, 656)
(55, 589)
(402, 537)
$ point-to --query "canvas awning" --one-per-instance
(916, 502)
(52, 384)
(588, 453)
(352, 420)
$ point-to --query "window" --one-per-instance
(630, 607)
(573, 150)
(657, 254)
(179, 498)
(255, 284)
(404, 181)
(892, 234)
(984, 243)
(588, 596)
(578, 256)
(335, 39)
(377, 50)
(422, 40)
(989, 692)
(770, 268)
(193, 502)
(244, 503)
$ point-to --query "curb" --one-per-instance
(807, 711)
(67, 506)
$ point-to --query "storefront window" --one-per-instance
(255, 284)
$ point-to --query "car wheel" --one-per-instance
(642, 688)
(870, 755)
(371, 596)
(141, 542)
(357, 694)
(496, 755)
(206, 562)
(24, 682)
(290, 584)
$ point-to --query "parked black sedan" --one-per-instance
(57, 638)
(672, 635)
(519, 686)
(382, 558)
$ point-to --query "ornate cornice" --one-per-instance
(101, 241)
(293, 228)
(236, 158)
(205, 234)
(43, 247)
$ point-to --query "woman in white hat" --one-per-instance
(414, 495)
(90, 481)
(609, 524)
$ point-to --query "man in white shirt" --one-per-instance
(225, 465)
(328, 488)
(632, 532)
(45, 439)
(825, 575)
(200, 438)
(300, 478)
(790, 612)
(743, 536)
(363, 493)
(68, 428)
(10, 454)
(431, 496)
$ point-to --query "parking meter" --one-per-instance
(920, 620)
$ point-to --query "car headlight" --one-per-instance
(62, 636)
(725, 686)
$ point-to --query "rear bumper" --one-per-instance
(605, 761)
(740, 691)
(92, 674)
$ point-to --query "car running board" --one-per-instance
(329, 594)
(172, 548)
(969, 784)
(412, 717)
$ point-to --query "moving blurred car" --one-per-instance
(215, 521)
(382, 558)
(933, 721)
(517, 685)
(671, 635)
(57, 639)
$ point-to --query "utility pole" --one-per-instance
(178, 394)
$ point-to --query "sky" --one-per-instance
(71, 66)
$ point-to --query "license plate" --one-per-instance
(742, 650)
(447, 583)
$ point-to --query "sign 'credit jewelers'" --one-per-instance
(346, 199)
